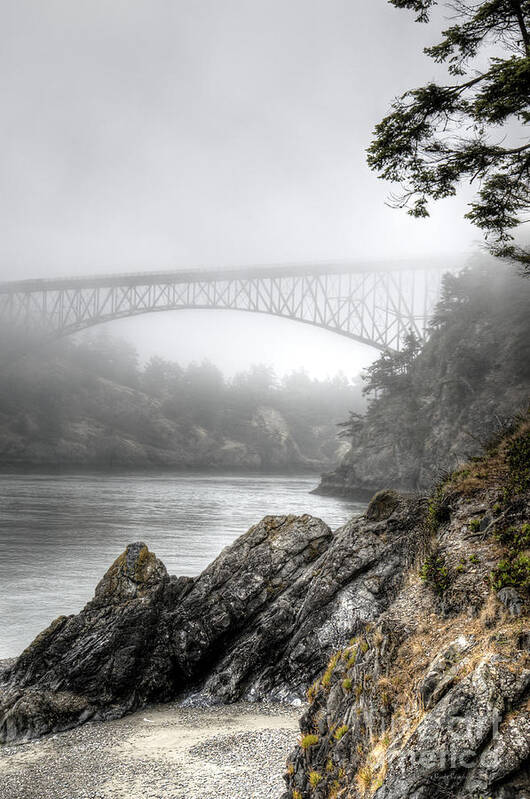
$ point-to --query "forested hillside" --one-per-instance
(89, 404)
(433, 406)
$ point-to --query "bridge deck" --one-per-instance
(202, 275)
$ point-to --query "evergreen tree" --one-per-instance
(474, 127)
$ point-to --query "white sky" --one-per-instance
(158, 134)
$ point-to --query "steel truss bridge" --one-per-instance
(375, 306)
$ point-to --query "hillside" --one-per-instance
(89, 405)
(433, 406)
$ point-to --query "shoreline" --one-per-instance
(161, 752)
(76, 469)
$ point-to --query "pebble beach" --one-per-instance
(164, 752)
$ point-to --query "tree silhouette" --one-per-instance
(473, 128)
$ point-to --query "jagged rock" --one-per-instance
(443, 671)
(382, 505)
(99, 663)
(445, 753)
(260, 622)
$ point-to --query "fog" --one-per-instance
(160, 135)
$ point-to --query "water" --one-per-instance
(59, 534)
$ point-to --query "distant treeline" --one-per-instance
(89, 401)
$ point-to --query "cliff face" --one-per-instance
(418, 608)
(443, 407)
(433, 699)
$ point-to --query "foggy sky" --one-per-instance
(158, 134)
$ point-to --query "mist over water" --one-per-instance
(59, 534)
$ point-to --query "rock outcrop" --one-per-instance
(260, 622)
(433, 699)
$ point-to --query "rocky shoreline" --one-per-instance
(406, 629)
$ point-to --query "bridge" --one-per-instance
(375, 306)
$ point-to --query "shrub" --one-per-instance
(334, 789)
(514, 538)
(512, 573)
(437, 509)
(351, 660)
(518, 459)
(434, 572)
(296, 794)
(474, 525)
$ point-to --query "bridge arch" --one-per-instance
(374, 307)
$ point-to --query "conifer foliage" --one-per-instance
(472, 128)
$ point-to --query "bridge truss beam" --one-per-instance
(374, 307)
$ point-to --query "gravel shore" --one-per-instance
(164, 752)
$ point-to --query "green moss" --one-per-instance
(308, 740)
(144, 556)
(340, 732)
(474, 525)
(473, 558)
(326, 677)
(314, 778)
(312, 692)
(347, 684)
